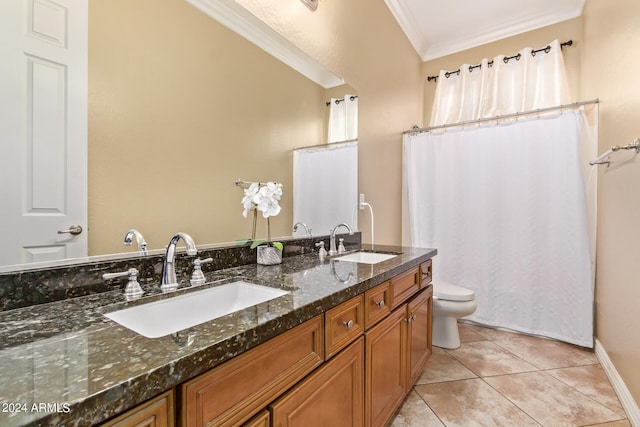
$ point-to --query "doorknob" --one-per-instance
(74, 229)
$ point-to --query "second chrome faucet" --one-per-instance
(332, 241)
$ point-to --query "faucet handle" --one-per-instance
(197, 277)
(133, 289)
(341, 248)
(322, 251)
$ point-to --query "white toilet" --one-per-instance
(450, 302)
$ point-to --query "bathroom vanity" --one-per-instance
(347, 341)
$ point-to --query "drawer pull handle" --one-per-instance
(380, 303)
(348, 324)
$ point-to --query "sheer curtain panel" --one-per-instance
(522, 83)
(343, 119)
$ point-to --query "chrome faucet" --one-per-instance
(169, 281)
(142, 245)
(307, 229)
(332, 241)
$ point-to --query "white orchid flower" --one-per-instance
(247, 200)
(267, 199)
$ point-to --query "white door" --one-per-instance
(43, 129)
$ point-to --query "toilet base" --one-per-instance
(445, 332)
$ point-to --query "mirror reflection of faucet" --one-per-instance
(169, 281)
(307, 229)
(142, 244)
(336, 275)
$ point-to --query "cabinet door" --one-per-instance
(419, 318)
(331, 396)
(158, 412)
(261, 420)
(385, 368)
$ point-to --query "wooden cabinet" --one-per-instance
(397, 349)
(385, 368)
(419, 324)
(331, 396)
(377, 304)
(157, 412)
(351, 367)
(235, 391)
(343, 324)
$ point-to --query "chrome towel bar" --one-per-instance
(604, 158)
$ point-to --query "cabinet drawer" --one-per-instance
(377, 304)
(426, 273)
(233, 392)
(343, 324)
(404, 285)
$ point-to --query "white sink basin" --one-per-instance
(365, 257)
(170, 315)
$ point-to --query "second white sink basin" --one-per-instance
(366, 257)
(160, 318)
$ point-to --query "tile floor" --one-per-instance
(499, 378)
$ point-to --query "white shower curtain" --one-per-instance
(325, 186)
(506, 207)
(343, 119)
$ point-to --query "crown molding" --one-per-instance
(241, 21)
(436, 49)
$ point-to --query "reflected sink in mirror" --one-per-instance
(160, 318)
(366, 257)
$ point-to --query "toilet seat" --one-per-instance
(449, 292)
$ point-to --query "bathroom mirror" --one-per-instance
(179, 108)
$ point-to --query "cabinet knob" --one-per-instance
(410, 319)
(380, 303)
(348, 324)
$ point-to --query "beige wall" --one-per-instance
(360, 41)
(611, 70)
(179, 108)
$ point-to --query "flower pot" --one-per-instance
(269, 255)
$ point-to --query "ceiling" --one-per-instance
(441, 27)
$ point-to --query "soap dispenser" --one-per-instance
(197, 277)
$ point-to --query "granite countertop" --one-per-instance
(64, 363)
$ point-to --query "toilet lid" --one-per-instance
(447, 291)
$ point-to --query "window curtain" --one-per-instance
(343, 119)
(522, 83)
(325, 187)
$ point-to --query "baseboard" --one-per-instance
(626, 400)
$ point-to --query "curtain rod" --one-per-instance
(328, 145)
(338, 101)
(506, 59)
(417, 130)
